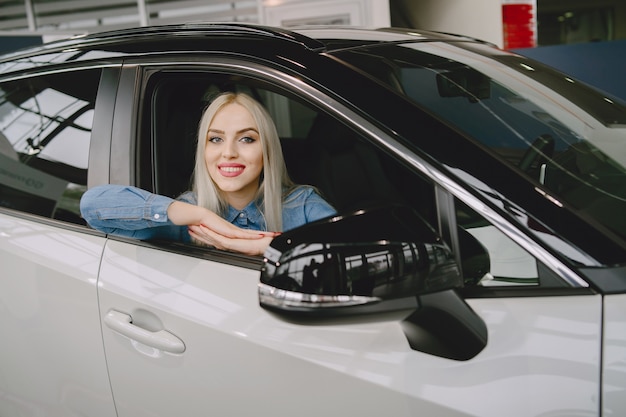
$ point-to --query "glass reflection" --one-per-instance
(381, 269)
(45, 133)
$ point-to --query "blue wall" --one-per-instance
(600, 64)
(9, 43)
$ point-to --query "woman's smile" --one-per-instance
(230, 169)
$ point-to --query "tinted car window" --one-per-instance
(45, 130)
(576, 154)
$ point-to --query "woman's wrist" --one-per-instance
(185, 214)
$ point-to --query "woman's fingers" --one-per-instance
(232, 231)
(251, 247)
(248, 245)
(223, 227)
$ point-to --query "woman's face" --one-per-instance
(234, 154)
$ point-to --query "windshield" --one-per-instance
(565, 135)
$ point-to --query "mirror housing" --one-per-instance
(376, 259)
(382, 262)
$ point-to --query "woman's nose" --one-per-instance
(230, 149)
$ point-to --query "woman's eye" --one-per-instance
(247, 139)
(214, 139)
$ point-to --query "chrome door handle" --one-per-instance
(162, 339)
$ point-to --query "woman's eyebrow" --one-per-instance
(248, 129)
(238, 132)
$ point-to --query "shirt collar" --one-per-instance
(251, 212)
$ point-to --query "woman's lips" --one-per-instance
(231, 170)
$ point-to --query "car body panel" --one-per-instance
(214, 310)
(525, 339)
(362, 368)
(614, 358)
(52, 359)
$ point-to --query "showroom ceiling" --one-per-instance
(80, 16)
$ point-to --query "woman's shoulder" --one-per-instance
(304, 204)
(300, 192)
(305, 195)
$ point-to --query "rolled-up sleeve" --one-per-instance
(128, 211)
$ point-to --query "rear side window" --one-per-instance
(45, 131)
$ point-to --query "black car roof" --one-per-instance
(314, 39)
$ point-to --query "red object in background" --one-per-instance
(519, 26)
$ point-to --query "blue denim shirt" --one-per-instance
(132, 212)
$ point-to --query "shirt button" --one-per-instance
(157, 216)
(242, 215)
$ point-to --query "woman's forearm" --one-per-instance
(130, 212)
(185, 214)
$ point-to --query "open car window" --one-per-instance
(319, 149)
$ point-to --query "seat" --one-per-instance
(176, 137)
(347, 171)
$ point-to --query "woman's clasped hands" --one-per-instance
(232, 238)
(207, 228)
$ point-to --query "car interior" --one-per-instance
(319, 150)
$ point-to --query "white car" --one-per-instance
(476, 266)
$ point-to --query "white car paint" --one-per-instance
(614, 360)
(542, 358)
(51, 355)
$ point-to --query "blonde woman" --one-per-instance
(242, 196)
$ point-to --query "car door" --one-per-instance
(52, 358)
(184, 332)
(182, 326)
(613, 401)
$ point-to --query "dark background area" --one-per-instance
(600, 64)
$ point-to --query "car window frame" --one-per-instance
(137, 69)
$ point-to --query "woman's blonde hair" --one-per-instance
(274, 182)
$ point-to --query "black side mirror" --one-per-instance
(367, 263)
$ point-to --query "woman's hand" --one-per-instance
(255, 244)
(208, 228)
